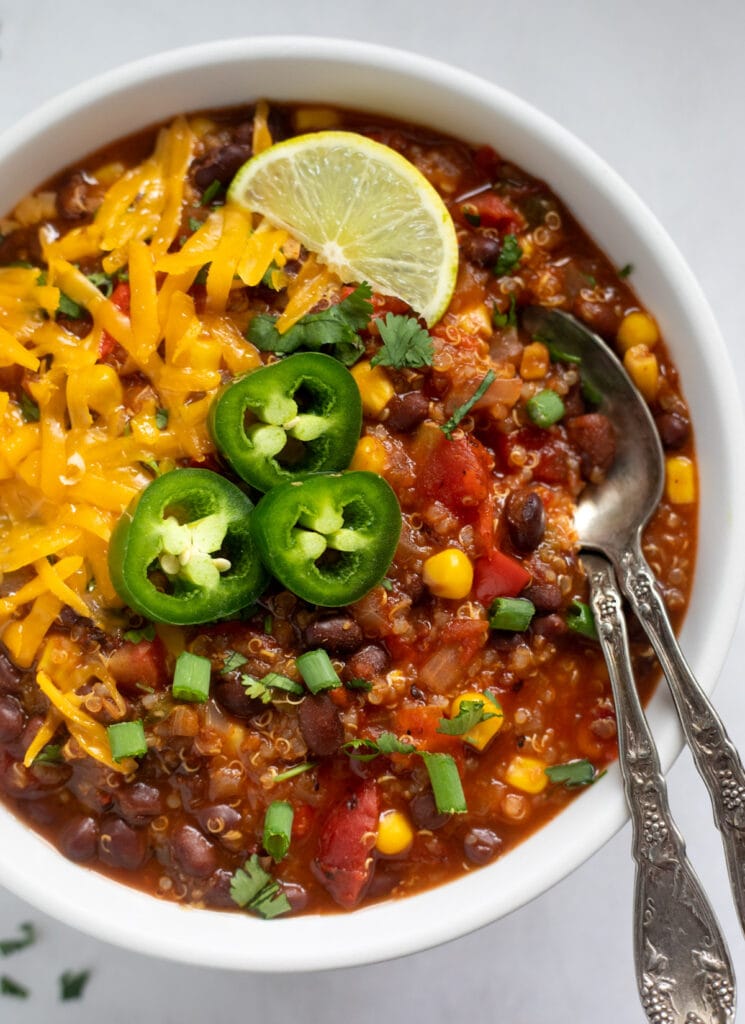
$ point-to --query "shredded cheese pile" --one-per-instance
(69, 470)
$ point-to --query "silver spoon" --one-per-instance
(610, 519)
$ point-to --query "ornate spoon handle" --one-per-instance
(715, 756)
(683, 968)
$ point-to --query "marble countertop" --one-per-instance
(658, 90)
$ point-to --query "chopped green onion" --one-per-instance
(545, 408)
(359, 684)
(513, 613)
(50, 754)
(211, 191)
(278, 829)
(445, 781)
(8, 987)
(590, 392)
(317, 671)
(9, 946)
(290, 773)
(558, 355)
(463, 410)
(127, 739)
(280, 682)
(573, 773)
(136, 636)
(191, 677)
(579, 618)
(71, 985)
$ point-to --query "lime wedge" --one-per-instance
(367, 213)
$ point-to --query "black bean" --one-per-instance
(526, 519)
(10, 676)
(673, 429)
(296, 894)
(545, 596)
(232, 695)
(138, 803)
(481, 845)
(79, 838)
(78, 196)
(340, 635)
(121, 846)
(321, 725)
(220, 164)
(405, 412)
(370, 661)
(216, 819)
(549, 626)
(602, 317)
(12, 718)
(424, 813)
(217, 893)
(193, 852)
(480, 248)
(595, 436)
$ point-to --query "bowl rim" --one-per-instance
(140, 922)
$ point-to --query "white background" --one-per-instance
(658, 89)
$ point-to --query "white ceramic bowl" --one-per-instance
(410, 88)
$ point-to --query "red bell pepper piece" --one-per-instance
(343, 859)
(498, 575)
(120, 297)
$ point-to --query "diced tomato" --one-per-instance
(343, 860)
(492, 211)
(458, 474)
(498, 575)
(140, 665)
(554, 455)
(419, 722)
(120, 297)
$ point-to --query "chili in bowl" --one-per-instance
(294, 630)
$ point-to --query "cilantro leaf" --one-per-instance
(72, 984)
(508, 319)
(573, 773)
(8, 987)
(335, 327)
(253, 888)
(49, 754)
(161, 418)
(358, 683)
(509, 256)
(256, 689)
(9, 946)
(405, 343)
(470, 714)
(103, 282)
(463, 410)
(29, 408)
(67, 307)
(368, 749)
(211, 191)
(233, 661)
(136, 636)
(290, 773)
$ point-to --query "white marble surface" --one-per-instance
(658, 89)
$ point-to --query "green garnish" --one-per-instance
(406, 344)
(194, 224)
(28, 938)
(359, 684)
(470, 714)
(509, 256)
(267, 278)
(29, 408)
(261, 689)
(136, 636)
(253, 888)
(463, 410)
(573, 773)
(317, 671)
(103, 282)
(508, 319)
(8, 987)
(161, 418)
(590, 392)
(210, 192)
(127, 739)
(512, 613)
(268, 624)
(579, 619)
(545, 408)
(72, 984)
(49, 754)
(557, 355)
(290, 773)
(626, 270)
(191, 677)
(386, 584)
(233, 661)
(277, 829)
(471, 214)
(446, 785)
(335, 327)
(67, 307)
(386, 743)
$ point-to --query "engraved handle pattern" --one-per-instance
(683, 968)
(715, 756)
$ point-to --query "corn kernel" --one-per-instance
(643, 368)
(527, 774)
(369, 455)
(535, 361)
(680, 480)
(395, 833)
(308, 119)
(107, 174)
(375, 387)
(481, 735)
(637, 328)
(475, 320)
(449, 573)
